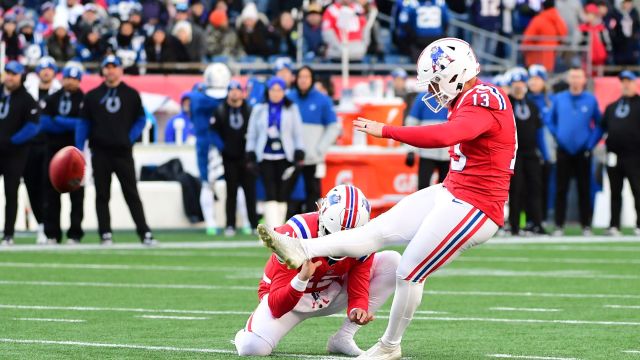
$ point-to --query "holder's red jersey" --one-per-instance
(325, 283)
(481, 134)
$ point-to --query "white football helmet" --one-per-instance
(344, 207)
(443, 68)
(217, 77)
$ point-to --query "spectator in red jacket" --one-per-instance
(546, 24)
(595, 29)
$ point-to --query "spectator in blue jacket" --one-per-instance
(541, 96)
(180, 123)
(312, 32)
(574, 121)
(320, 130)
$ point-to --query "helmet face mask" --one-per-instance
(443, 68)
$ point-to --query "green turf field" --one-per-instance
(520, 301)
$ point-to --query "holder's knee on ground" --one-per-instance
(250, 344)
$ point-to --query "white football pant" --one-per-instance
(437, 227)
(263, 332)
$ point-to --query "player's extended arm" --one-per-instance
(29, 130)
(49, 126)
(286, 291)
(67, 123)
(82, 133)
(358, 285)
(137, 128)
(467, 125)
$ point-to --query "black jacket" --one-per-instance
(621, 123)
(232, 130)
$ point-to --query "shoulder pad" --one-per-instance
(484, 95)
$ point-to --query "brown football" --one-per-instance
(66, 169)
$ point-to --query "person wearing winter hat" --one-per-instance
(275, 146)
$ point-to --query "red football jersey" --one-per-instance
(322, 286)
(481, 133)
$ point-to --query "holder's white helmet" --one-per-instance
(217, 77)
(443, 68)
(344, 207)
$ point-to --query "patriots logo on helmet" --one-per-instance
(439, 60)
(366, 205)
(334, 199)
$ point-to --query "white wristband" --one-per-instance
(300, 285)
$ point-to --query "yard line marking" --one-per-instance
(125, 267)
(612, 248)
(250, 243)
(253, 288)
(156, 348)
(127, 285)
(522, 321)
(532, 294)
(509, 259)
(635, 307)
(524, 309)
(508, 356)
(138, 246)
(427, 318)
(419, 312)
(90, 308)
(631, 351)
(251, 272)
(569, 274)
(564, 240)
(51, 320)
(257, 254)
(165, 317)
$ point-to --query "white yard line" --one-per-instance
(253, 288)
(51, 320)
(567, 248)
(111, 309)
(530, 321)
(524, 309)
(568, 274)
(165, 317)
(128, 285)
(508, 356)
(564, 240)
(532, 294)
(31, 265)
(509, 259)
(254, 244)
(154, 348)
(138, 246)
(633, 307)
(255, 272)
(632, 351)
(426, 318)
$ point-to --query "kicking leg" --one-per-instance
(399, 224)
(450, 227)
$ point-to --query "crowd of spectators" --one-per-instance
(174, 31)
